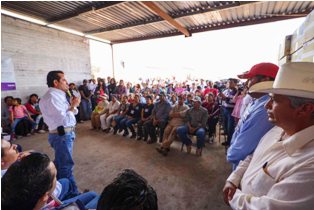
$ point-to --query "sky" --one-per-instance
(210, 55)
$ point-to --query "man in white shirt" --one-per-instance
(279, 175)
(110, 113)
(59, 115)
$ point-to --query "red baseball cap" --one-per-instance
(264, 69)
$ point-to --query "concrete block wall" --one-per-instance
(35, 50)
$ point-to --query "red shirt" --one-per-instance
(211, 90)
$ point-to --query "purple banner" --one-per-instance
(8, 86)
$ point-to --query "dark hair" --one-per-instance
(25, 182)
(103, 84)
(52, 76)
(29, 100)
(151, 199)
(7, 97)
(19, 100)
(128, 191)
(260, 77)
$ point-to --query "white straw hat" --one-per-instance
(293, 79)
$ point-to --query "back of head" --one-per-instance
(25, 182)
(129, 191)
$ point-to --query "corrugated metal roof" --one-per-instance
(132, 20)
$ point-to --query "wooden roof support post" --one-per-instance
(151, 5)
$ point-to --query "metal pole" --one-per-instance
(112, 61)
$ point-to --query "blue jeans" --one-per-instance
(63, 147)
(89, 199)
(67, 191)
(182, 132)
(118, 119)
(122, 124)
(86, 109)
(229, 123)
(129, 124)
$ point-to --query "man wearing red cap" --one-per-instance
(254, 122)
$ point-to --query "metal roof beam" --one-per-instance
(219, 26)
(151, 5)
(174, 15)
(96, 6)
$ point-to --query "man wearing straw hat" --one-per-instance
(279, 175)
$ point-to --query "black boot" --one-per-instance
(115, 130)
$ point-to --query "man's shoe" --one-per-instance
(159, 149)
(125, 134)
(133, 136)
(162, 151)
(139, 138)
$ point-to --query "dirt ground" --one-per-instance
(182, 181)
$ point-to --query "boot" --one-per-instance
(115, 130)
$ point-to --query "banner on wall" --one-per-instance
(7, 75)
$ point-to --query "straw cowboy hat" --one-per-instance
(293, 79)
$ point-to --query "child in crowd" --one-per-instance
(238, 98)
(18, 113)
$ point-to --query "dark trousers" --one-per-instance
(152, 130)
(212, 122)
(141, 130)
(229, 123)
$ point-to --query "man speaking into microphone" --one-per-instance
(59, 115)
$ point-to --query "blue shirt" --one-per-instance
(161, 110)
(252, 126)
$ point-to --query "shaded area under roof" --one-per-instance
(128, 21)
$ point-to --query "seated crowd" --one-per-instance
(269, 136)
(162, 109)
(22, 120)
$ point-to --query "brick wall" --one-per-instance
(35, 50)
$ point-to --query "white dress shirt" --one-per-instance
(279, 175)
(55, 109)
